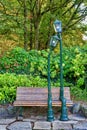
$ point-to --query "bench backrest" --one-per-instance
(27, 93)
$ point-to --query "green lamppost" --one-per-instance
(50, 114)
(58, 29)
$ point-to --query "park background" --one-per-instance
(26, 27)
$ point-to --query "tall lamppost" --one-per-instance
(50, 114)
(58, 29)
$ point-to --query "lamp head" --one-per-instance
(54, 41)
(58, 26)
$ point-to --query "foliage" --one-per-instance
(8, 87)
(79, 94)
(9, 83)
(34, 65)
(30, 23)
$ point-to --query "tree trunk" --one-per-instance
(37, 36)
(37, 17)
(31, 28)
(25, 26)
(49, 32)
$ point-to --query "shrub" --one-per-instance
(33, 65)
(9, 83)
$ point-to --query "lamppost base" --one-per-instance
(64, 114)
(50, 116)
(64, 119)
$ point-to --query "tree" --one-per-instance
(30, 21)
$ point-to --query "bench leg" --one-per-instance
(20, 115)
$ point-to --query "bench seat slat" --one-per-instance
(26, 96)
(40, 103)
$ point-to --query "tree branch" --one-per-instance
(73, 15)
(73, 5)
(3, 7)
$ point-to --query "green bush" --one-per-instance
(9, 83)
(34, 63)
(15, 61)
(79, 94)
(31, 68)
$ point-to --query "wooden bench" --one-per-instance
(27, 96)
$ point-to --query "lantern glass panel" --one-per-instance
(54, 41)
(57, 26)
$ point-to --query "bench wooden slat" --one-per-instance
(39, 90)
(39, 97)
(40, 103)
(27, 96)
